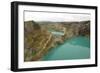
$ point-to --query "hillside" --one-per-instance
(40, 37)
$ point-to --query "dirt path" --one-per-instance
(43, 51)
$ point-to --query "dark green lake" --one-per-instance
(74, 48)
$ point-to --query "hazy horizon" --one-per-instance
(55, 17)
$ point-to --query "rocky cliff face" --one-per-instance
(69, 28)
(36, 41)
(38, 37)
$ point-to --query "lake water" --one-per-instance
(74, 48)
(56, 33)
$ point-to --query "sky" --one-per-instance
(55, 17)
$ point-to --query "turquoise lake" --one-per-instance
(74, 48)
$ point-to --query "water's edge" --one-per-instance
(74, 48)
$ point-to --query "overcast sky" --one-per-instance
(45, 16)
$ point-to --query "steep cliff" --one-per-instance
(40, 37)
